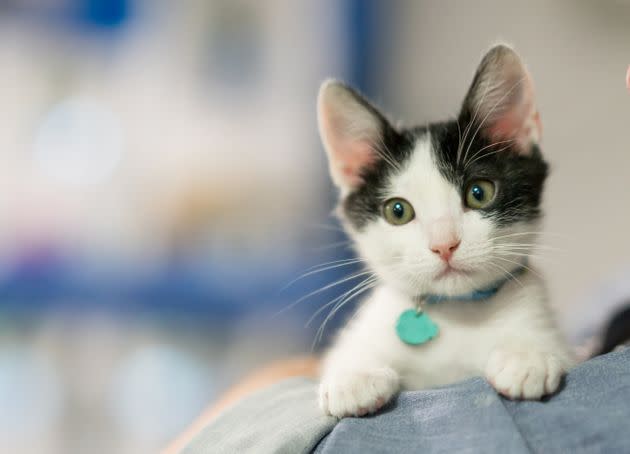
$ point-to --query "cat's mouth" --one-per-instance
(450, 270)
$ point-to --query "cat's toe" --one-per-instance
(357, 394)
(523, 375)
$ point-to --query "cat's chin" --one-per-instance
(453, 282)
(452, 285)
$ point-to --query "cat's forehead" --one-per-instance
(420, 167)
(441, 145)
(424, 178)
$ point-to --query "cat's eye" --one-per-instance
(480, 194)
(398, 211)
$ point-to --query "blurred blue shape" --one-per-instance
(361, 17)
(48, 280)
(75, 15)
(104, 13)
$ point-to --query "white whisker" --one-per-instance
(506, 272)
(320, 290)
(320, 331)
(360, 285)
(472, 161)
(331, 266)
(472, 121)
(496, 104)
(519, 264)
(474, 155)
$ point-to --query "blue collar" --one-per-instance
(475, 295)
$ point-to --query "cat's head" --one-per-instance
(449, 207)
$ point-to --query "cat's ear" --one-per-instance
(352, 131)
(501, 103)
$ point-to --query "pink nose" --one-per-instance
(445, 250)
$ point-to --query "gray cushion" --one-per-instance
(591, 413)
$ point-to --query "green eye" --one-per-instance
(398, 211)
(480, 194)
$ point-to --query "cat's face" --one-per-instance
(446, 208)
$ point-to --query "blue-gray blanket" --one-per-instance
(591, 413)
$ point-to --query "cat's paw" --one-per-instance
(523, 375)
(357, 394)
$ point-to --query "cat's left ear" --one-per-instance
(501, 101)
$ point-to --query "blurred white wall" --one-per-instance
(577, 52)
(213, 109)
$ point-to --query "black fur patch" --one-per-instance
(519, 178)
(365, 203)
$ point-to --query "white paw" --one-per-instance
(523, 375)
(357, 394)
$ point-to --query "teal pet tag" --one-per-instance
(414, 327)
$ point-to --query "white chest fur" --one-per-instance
(516, 319)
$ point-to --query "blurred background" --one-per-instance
(162, 186)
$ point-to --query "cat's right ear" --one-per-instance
(352, 131)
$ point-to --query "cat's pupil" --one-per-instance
(477, 192)
(398, 210)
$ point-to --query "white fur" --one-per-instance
(510, 338)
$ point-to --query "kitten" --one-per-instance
(445, 215)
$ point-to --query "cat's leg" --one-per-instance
(523, 373)
(357, 391)
(358, 375)
(528, 367)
